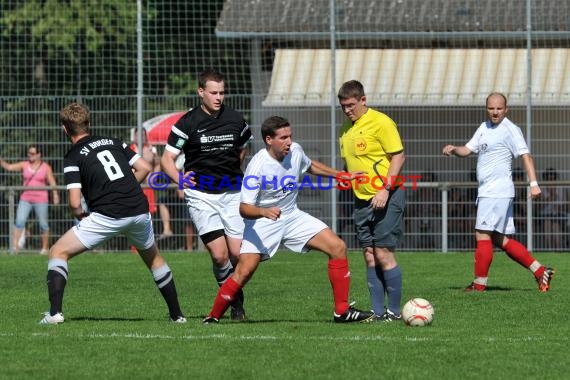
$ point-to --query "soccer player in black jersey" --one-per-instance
(101, 168)
(213, 139)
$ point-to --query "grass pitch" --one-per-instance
(117, 327)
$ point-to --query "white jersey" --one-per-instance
(271, 183)
(496, 146)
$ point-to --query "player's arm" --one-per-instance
(320, 169)
(168, 164)
(15, 167)
(242, 154)
(75, 203)
(141, 168)
(244, 141)
(528, 164)
(459, 151)
(249, 211)
(380, 199)
(396, 164)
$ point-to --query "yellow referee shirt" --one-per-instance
(367, 146)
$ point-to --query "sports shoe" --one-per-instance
(389, 316)
(237, 312)
(49, 319)
(209, 320)
(354, 315)
(179, 319)
(544, 280)
(473, 287)
(44, 252)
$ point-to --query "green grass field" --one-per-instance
(116, 323)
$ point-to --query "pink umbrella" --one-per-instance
(158, 128)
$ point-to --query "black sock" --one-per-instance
(56, 282)
(165, 283)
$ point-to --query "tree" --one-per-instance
(62, 45)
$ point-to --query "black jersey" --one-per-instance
(211, 146)
(101, 167)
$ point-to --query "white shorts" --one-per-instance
(97, 228)
(264, 235)
(211, 212)
(495, 214)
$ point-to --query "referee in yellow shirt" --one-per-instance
(370, 143)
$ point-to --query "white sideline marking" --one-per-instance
(226, 337)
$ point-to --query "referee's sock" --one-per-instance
(393, 286)
(375, 282)
(56, 281)
(165, 282)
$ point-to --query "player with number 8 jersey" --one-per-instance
(101, 168)
(107, 173)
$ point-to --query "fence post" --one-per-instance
(11, 219)
(444, 213)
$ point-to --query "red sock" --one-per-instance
(483, 258)
(225, 296)
(339, 276)
(521, 255)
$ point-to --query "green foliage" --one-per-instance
(116, 325)
(183, 84)
(57, 25)
(83, 48)
(70, 47)
(180, 95)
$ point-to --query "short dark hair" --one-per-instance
(209, 74)
(272, 124)
(351, 89)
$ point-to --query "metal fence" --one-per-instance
(440, 217)
(426, 63)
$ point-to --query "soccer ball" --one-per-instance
(417, 312)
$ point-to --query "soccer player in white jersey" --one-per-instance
(269, 207)
(108, 174)
(497, 141)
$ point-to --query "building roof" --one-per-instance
(243, 18)
(423, 77)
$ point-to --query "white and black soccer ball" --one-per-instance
(417, 312)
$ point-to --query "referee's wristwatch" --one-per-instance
(388, 187)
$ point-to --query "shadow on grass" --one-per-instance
(489, 289)
(103, 319)
(227, 321)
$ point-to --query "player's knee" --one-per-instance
(58, 253)
(385, 257)
(338, 249)
(219, 259)
(368, 255)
